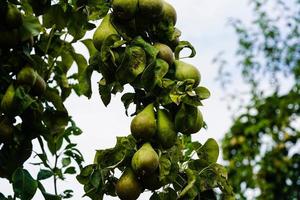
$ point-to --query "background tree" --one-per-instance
(262, 145)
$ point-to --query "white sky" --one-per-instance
(204, 24)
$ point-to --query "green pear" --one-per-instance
(169, 13)
(27, 76)
(151, 9)
(188, 119)
(145, 160)
(133, 65)
(143, 125)
(39, 86)
(13, 18)
(103, 31)
(185, 71)
(128, 187)
(124, 9)
(7, 102)
(166, 132)
(151, 181)
(165, 53)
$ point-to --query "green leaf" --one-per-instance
(55, 17)
(209, 152)
(202, 92)
(52, 95)
(84, 87)
(70, 170)
(104, 91)
(90, 46)
(181, 46)
(44, 174)
(31, 27)
(24, 185)
(85, 173)
(150, 50)
(127, 99)
(98, 9)
(77, 25)
(164, 167)
(22, 99)
(114, 157)
(154, 73)
(190, 190)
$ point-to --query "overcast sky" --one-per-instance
(204, 24)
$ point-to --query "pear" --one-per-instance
(13, 18)
(188, 119)
(185, 71)
(133, 65)
(124, 9)
(165, 53)
(151, 181)
(7, 102)
(169, 13)
(128, 187)
(27, 76)
(103, 31)
(145, 160)
(39, 86)
(166, 132)
(143, 125)
(151, 9)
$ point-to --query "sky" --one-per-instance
(204, 23)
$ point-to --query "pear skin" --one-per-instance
(124, 9)
(128, 187)
(166, 132)
(188, 119)
(7, 102)
(103, 31)
(185, 71)
(145, 160)
(143, 125)
(27, 76)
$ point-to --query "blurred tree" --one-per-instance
(262, 145)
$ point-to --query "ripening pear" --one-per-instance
(103, 31)
(143, 125)
(7, 102)
(151, 181)
(169, 13)
(128, 187)
(188, 119)
(166, 132)
(165, 52)
(185, 71)
(145, 160)
(27, 76)
(150, 9)
(124, 9)
(39, 86)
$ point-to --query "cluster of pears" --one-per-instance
(30, 80)
(160, 129)
(155, 128)
(9, 27)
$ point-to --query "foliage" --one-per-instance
(261, 145)
(37, 57)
